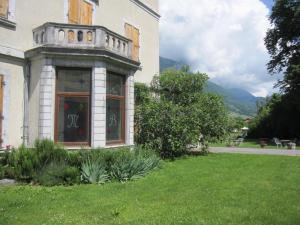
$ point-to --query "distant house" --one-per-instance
(67, 69)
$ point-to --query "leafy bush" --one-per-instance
(47, 151)
(141, 94)
(1, 172)
(8, 172)
(94, 172)
(24, 163)
(166, 128)
(177, 113)
(58, 173)
(4, 158)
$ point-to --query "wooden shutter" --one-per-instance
(4, 8)
(74, 11)
(136, 43)
(1, 107)
(128, 31)
(133, 34)
(86, 13)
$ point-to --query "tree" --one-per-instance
(177, 112)
(283, 43)
(280, 116)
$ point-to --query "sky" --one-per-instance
(222, 38)
(268, 3)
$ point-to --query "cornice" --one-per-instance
(146, 8)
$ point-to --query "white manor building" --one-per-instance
(67, 69)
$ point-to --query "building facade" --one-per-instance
(68, 67)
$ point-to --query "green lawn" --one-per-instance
(249, 144)
(220, 189)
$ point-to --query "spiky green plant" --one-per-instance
(93, 171)
(133, 165)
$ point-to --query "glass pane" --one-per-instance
(73, 80)
(113, 120)
(115, 85)
(73, 119)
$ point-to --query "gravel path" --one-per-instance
(255, 151)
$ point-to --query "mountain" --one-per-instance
(238, 101)
(166, 63)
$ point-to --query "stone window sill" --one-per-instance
(7, 23)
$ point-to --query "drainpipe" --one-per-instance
(25, 100)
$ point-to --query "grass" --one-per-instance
(213, 190)
(250, 144)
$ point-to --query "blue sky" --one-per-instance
(223, 38)
(268, 3)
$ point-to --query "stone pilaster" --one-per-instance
(98, 123)
(130, 110)
(46, 103)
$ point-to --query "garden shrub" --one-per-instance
(49, 164)
(1, 172)
(166, 128)
(47, 151)
(75, 158)
(4, 158)
(122, 165)
(174, 113)
(24, 163)
(9, 172)
(132, 165)
(93, 171)
(58, 173)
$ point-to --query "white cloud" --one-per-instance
(224, 38)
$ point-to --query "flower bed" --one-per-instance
(50, 164)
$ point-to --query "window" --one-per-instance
(73, 87)
(80, 12)
(4, 8)
(133, 34)
(115, 109)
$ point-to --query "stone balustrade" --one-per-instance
(81, 36)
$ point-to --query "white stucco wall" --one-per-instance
(13, 102)
(30, 14)
(153, 4)
(148, 25)
(34, 99)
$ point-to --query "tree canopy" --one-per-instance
(283, 43)
(175, 112)
(280, 115)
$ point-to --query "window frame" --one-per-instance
(122, 100)
(59, 94)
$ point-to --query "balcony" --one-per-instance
(93, 40)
